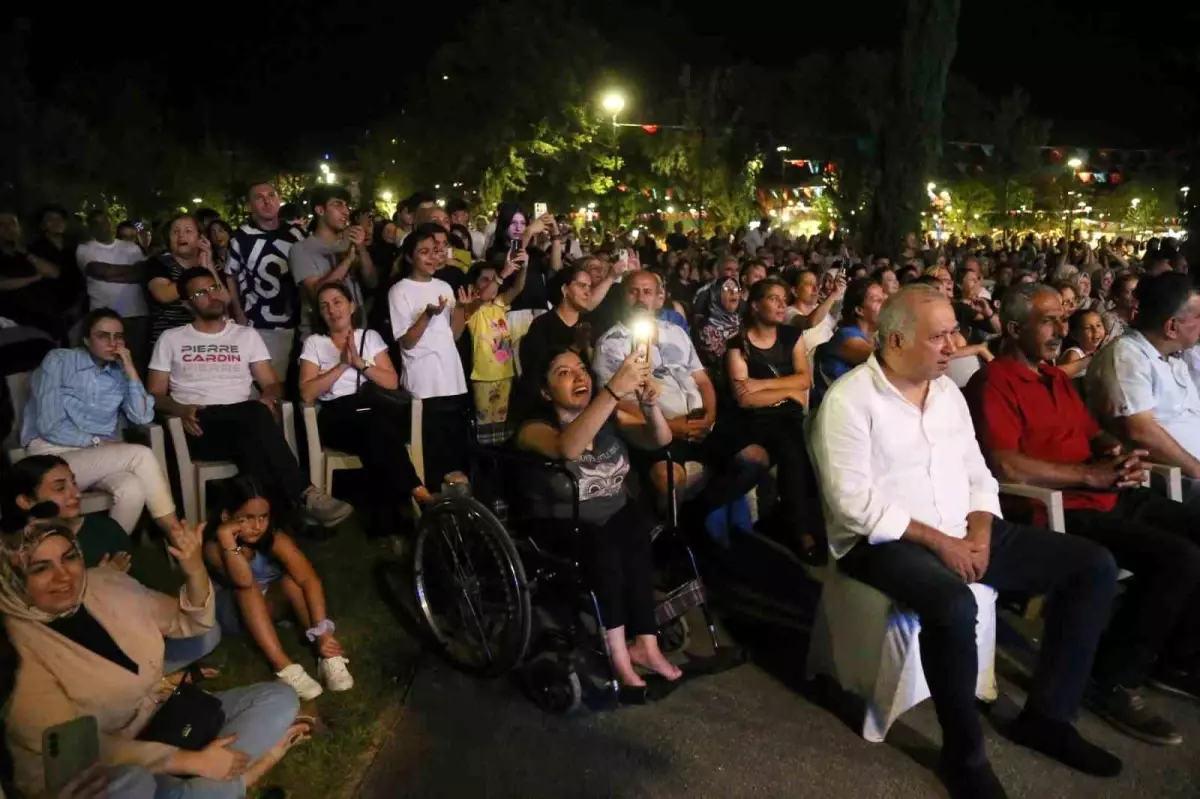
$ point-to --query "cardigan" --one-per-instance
(59, 680)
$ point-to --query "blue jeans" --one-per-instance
(179, 653)
(130, 782)
(259, 715)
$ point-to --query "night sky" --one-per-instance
(327, 69)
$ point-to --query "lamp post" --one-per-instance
(613, 103)
(1075, 164)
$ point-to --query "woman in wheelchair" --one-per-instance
(268, 574)
(335, 365)
(582, 430)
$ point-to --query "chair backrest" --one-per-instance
(18, 392)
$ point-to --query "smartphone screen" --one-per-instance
(514, 247)
(696, 413)
(68, 749)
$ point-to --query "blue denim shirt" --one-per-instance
(73, 402)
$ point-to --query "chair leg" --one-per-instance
(187, 484)
(327, 487)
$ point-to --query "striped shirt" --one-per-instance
(258, 261)
(74, 402)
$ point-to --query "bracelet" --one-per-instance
(608, 388)
(314, 633)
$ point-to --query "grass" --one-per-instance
(382, 659)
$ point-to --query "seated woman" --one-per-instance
(268, 575)
(768, 369)
(853, 341)
(75, 398)
(718, 324)
(91, 643)
(574, 426)
(335, 364)
(1085, 334)
(43, 486)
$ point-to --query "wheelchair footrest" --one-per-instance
(687, 596)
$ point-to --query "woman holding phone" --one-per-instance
(587, 433)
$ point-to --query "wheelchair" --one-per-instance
(509, 597)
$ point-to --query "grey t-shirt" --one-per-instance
(600, 472)
(314, 258)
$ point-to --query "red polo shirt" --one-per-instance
(1039, 414)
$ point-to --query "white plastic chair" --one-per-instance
(869, 644)
(194, 475)
(324, 461)
(95, 500)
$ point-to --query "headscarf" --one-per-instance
(16, 550)
(719, 325)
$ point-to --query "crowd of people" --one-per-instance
(881, 395)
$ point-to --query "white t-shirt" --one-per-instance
(320, 350)
(127, 299)
(432, 368)
(209, 368)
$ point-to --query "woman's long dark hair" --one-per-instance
(504, 218)
(856, 295)
(22, 480)
(233, 494)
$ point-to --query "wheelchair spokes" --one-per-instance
(470, 588)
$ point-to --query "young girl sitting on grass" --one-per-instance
(267, 574)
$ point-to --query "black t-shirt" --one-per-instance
(69, 285)
(164, 316)
(677, 241)
(32, 305)
(975, 331)
(765, 364)
(82, 628)
(535, 296)
(548, 333)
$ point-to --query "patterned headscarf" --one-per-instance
(16, 550)
(719, 324)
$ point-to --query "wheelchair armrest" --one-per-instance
(1050, 497)
(531, 460)
(1171, 475)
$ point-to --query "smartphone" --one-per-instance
(68, 749)
(836, 272)
(514, 247)
(624, 256)
(449, 253)
(696, 413)
(643, 331)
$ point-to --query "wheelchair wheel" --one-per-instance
(674, 636)
(471, 587)
(551, 683)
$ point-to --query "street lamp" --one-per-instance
(1075, 163)
(197, 200)
(614, 103)
(386, 196)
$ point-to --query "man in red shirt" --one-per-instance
(1034, 428)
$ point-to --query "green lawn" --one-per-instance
(382, 658)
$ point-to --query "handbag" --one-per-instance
(190, 719)
(376, 397)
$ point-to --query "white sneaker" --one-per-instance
(306, 687)
(334, 674)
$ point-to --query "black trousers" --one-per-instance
(377, 437)
(1079, 576)
(247, 434)
(1159, 615)
(618, 565)
(445, 433)
(782, 436)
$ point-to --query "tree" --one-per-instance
(912, 139)
(510, 104)
(970, 207)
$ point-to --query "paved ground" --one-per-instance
(745, 733)
(756, 731)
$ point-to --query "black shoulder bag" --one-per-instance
(374, 396)
(190, 719)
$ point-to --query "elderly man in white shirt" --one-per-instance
(914, 512)
(1141, 386)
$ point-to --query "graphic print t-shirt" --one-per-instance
(209, 368)
(492, 343)
(258, 261)
(600, 471)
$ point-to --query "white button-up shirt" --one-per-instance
(1129, 377)
(884, 462)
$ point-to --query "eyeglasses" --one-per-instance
(215, 288)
